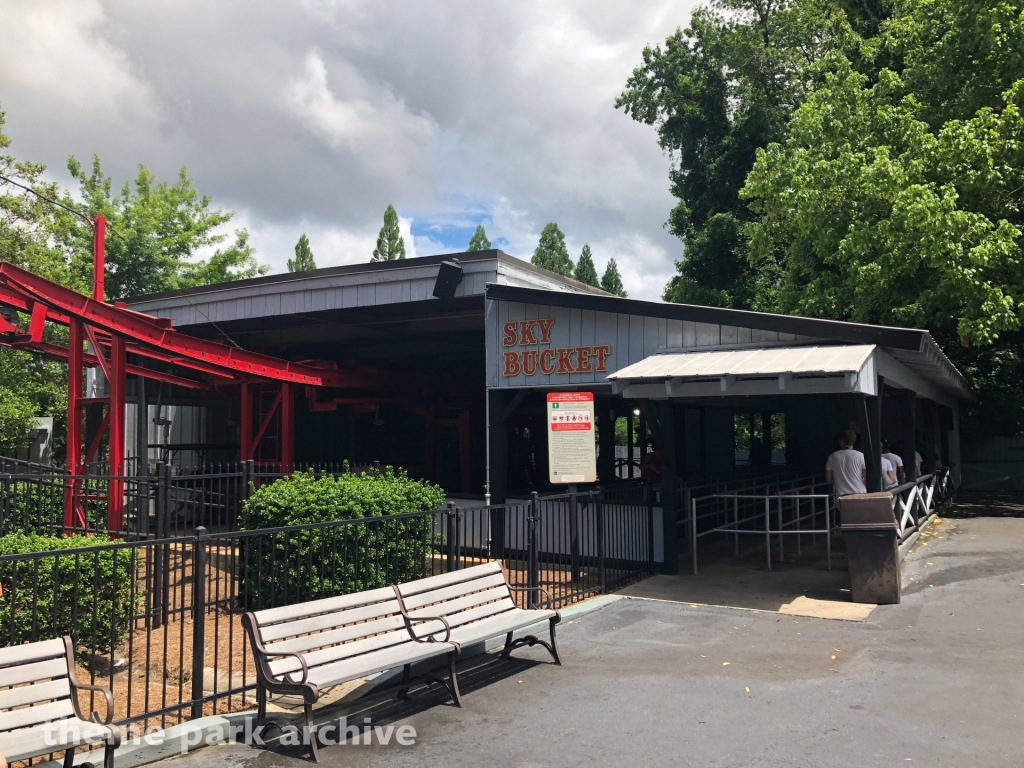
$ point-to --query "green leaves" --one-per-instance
(303, 256)
(156, 230)
(585, 270)
(479, 241)
(285, 567)
(90, 596)
(390, 243)
(868, 215)
(611, 280)
(551, 253)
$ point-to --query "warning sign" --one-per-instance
(572, 454)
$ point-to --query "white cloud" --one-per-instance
(316, 116)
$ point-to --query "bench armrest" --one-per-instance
(409, 620)
(249, 622)
(78, 686)
(532, 589)
(288, 675)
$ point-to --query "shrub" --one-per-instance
(327, 560)
(87, 595)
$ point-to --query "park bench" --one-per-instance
(40, 713)
(477, 605)
(305, 648)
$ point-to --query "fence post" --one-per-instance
(159, 596)
(5, 522)
(452, 535)
(198, 620)
(574, 534)
(650, 526)
(532, 575)
(600, 542)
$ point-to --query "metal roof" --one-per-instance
(749, 362)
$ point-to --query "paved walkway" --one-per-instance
(936, 681)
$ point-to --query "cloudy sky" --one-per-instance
(312, 116)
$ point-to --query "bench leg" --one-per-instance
(403, 693)
(69, 757)
(508, 643)
(554, 642)
(454, 681)
(261, 705)
(310, 734)
(108, 755)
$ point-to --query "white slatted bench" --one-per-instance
(39, 707)
(303, 649)
(477, 605)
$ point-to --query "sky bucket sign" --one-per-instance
(572, 453)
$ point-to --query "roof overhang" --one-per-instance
(752, 371)
(912, 349)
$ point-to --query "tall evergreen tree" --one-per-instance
(585, 271)
(479, 241)
(551, 252)
(611, 281)
(303, 256)
(390, 243)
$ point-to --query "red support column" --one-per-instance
(287, 428)
(73, 516)
(115, 500)
(245, 422)
(99, 248)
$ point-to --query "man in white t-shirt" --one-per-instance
(845, 469)
(896, 461)
(888, 474)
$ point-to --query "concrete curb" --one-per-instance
(906, 545)
(212, 730)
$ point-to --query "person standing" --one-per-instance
(896, 461)
(845, 469)
(888, 474)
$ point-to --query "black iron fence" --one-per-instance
(157, 619)
(167, 502)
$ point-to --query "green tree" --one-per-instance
(17, 419)
(611, 280)
(303, 256)
(390, 243)
(551, 253)
(585, 270)
(716, 93)
(157, 230)
(896, 198)
(479, 241)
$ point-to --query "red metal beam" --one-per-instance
(60, 355)
(145, 330)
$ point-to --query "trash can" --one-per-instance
(872, 548)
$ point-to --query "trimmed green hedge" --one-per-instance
(290, 567)
(87, 595)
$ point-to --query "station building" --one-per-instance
(453, 389)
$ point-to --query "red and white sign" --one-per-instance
(572, 452)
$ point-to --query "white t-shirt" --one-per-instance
(887, 467)
(917, 462)
(894, 459)
(847, 468)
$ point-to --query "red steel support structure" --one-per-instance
(112, 332)
(268, 385)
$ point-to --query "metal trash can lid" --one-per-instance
(867, 512)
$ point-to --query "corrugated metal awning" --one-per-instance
(774, 361)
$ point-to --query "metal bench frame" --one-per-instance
(269, 682)
(113, 735)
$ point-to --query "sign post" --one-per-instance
(572, 453)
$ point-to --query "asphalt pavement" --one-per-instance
(935, 681)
